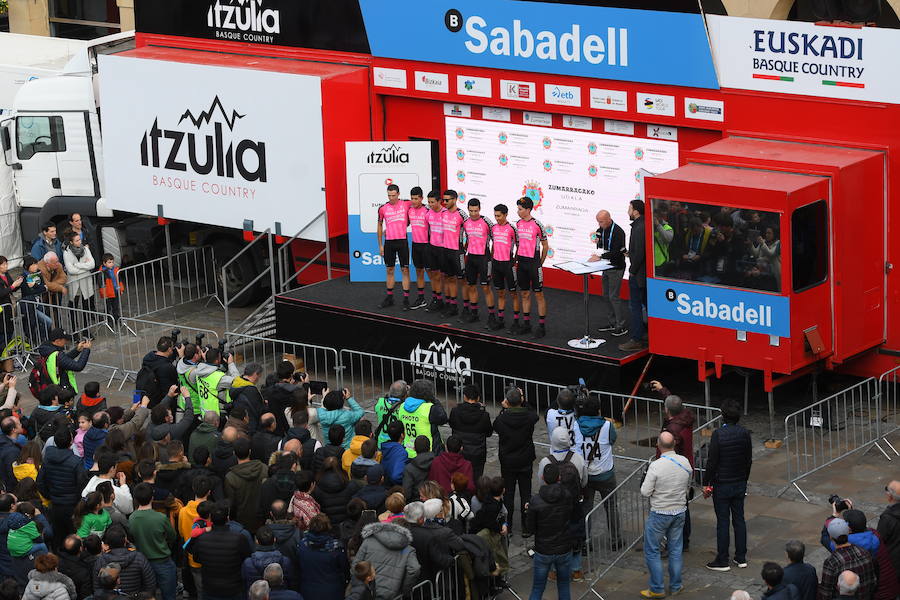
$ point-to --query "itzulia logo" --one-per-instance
(220, 150)
(443, 357)
(391, 155)
(735, 313)
(243, 15)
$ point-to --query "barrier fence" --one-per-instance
(852, 420)
(319, 362)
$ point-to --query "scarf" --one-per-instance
(78, 251)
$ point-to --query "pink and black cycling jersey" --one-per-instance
(435, 219)
(395, 218)
(418, 223)
(503, 238)
(478, 232)
(530, 233)
(453, 223)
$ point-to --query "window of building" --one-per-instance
(809, 245)
(716, 244)
(39, 134)
(83, 19)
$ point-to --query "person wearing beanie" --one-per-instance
(374, 493)
(846, 557)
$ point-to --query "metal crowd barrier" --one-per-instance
(854, 419)
(319, 362)
(424, 590)
(139, 336)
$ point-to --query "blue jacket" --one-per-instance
(346, 418)
(93, 439)
(322, 566)
(9, 453)
(867, 540)
(256, 563)
(393, 459)
(40, 247)
(62, 476)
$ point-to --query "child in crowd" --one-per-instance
(362, 587)
(112, 287)
(25, 537)
(90, 518)
(84, 423)
(303, 506)
(90, 401)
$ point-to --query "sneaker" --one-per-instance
(607, 328)
(388, 301)
(676, 592)
(619, 332)
(652, 594)
(406, 305)
(434, 306)
(632, 346)
(716, 566)
(526, 533)
(515, 328)
(525, 329)
(497, 325)
(452, 311)
(470, 317)
(740, 564)
(419, 303)
(577, 576)
(539, 332)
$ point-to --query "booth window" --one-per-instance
(716, 244)
(39, 134)
(809, 245)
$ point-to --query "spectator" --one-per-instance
(394, 454)
(359, 468)
(374, 494)
(549, 513)
(163, 426)
(333, 449)
(265, 441)
(435, 544)
(245, 393)
(7, 504)
(333, 412)
(94, 437)
(363, 585)
(202, 460)
(323, 566)
(280, 483)
(666, 484)
(561, 452)
(189, 515)
(599, 436)
(89, 516)
(46, 242)
(800, 574)
(242, 485)
(274, 575)
(136, 574)
(421, 414)
(221, 553)
(563, 416)
(259, 590)
(333, 491)
(490, 519)
(415, 473)
(46, 583)
(51, 404)
(90, 401)
(80, 265)
(515, 429)
(460, 509)
(363, 431)
(153, 535)
(172, 474)
(386, 409)
(206, 434)
(728, 463)
(75, 563)
(25, 532)
(848, 585)
(223, 457)
(450, 462)
(280, 394)
(9, 451)
(471, 423)
(60, 480)
(265, 554)
(773, 575)
(109, 584)
(889, 523)
(112, 288)
(300, 431)
(303, 506)
(62, 365)
(387, 547)
(637, 277)
(846, 557)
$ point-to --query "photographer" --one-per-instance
(188, 358)
(212, 382)
(61, 365)
(161, 363)
(515, 428)
(244, 392)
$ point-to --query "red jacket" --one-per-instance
(445, 465)
(682, 427)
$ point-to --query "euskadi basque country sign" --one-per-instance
(729, 308)
(803, 58)
(587, 41)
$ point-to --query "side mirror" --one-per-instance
(6, 142)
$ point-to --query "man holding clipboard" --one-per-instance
(610, 246)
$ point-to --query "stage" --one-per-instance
(345, 315)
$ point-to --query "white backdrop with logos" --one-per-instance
(570, 175)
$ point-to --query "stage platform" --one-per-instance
(345, 315)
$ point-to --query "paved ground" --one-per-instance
(771, 519)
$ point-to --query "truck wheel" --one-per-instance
(238, 274)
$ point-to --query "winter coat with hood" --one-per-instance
(889, 532)
(256, 563)
(323, 567)
(136, 576)
(62, 476)
(263, 444)
(171, 476)
(472, 424)
(78, 569)
(223, 458)
(310, 445)
(415, 473)
(435, 545)
(333, 492)
(515, 427)
(548, 516)
(280, 486)
(242, 487)
(245, 393)
(374, 495)
(89, 406)
(279, 396)
(221, 553)
(388, 547)
(446, 465)
(394, 457)
(52, 585)
(347, 417)
(163, 368)
(93, 439)
(354, 451)
(40, 416)
(325, 452)
(80, 272)
(205, 435)
(559, 449)
(682, 427)
(9, 453)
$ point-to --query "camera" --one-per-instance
(581, 393)
(222, 351)
(198, 339)
(840, 505)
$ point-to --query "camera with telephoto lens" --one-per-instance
(222, 351)
(175, 334)
(198, 340)
(840, 505)
(580, 392)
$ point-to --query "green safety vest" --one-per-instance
(415, 424)
(207, 392)
(192, 389)
(53, 372)
(382, 407)
(660, 250)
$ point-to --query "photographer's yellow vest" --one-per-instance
(207, 392)
(415, 424)
(53, 372)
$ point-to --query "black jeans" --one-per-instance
(61, 521)
(477, 467)
(512, 478)
(728, 501)
(605, 488)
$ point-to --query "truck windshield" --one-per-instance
(716, 244)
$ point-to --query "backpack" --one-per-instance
(147, 382)
(565, 465)
(39, 378)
